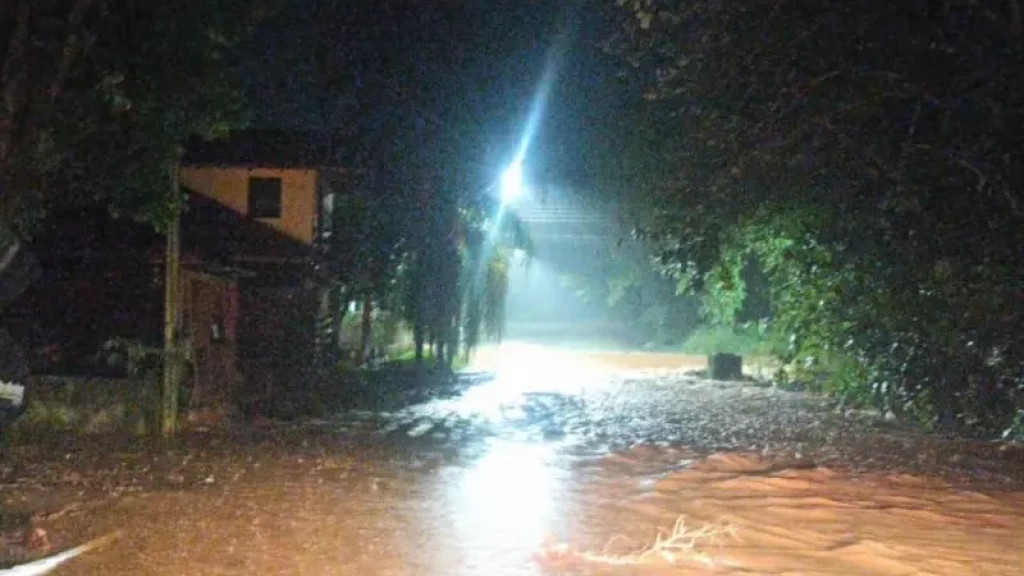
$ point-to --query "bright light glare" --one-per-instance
(512, 183)
(520, 369)
(506, 501)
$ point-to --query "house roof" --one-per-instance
(268, 149)
(213, 237)
(213, 232)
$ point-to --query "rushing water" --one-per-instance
(557, 448)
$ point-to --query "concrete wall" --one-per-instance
(83, 405)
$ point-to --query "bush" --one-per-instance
(1015, 431)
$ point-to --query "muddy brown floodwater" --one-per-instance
(562, 463)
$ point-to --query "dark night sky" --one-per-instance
(355, 67)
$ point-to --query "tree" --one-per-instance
(490, 234)
(368, 243)
(97, 98)
(865, 155)
(453, 277)
(43, 42)
(99, 95)
(636, 294)
(419, 108)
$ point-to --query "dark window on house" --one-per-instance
(265, 197)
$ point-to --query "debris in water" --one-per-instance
(36, 540)
(46, 565)
(674, 547)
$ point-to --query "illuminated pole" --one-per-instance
(169, 388)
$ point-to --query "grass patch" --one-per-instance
(407, 359)
(742, 340)
(402, 360)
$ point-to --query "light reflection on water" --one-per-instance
(520, 370)
(503, 506)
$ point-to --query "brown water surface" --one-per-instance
(556, 448)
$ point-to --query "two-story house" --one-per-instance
(288, 182)
(255, 207)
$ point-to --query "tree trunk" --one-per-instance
(171, 363)
(454, 337)
(339, 307)
(367, 329)
(13, 77)
(417, 335)
(448, 343)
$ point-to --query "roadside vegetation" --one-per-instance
(870, 174)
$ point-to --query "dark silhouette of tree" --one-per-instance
(867, 154)
(416, 86)
(98, 96)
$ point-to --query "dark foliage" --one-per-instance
(868, 154)
(98, 97)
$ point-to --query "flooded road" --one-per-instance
(560, 463)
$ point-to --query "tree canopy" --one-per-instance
(417, 87)
(98, 96)
(867, 155)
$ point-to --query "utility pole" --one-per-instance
(172, 301)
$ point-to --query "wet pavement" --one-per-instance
(556, 462)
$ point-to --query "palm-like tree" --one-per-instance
(488, 247)
(455, 281)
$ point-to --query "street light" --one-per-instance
(512, 183)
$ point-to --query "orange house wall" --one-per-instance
(230, 186)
